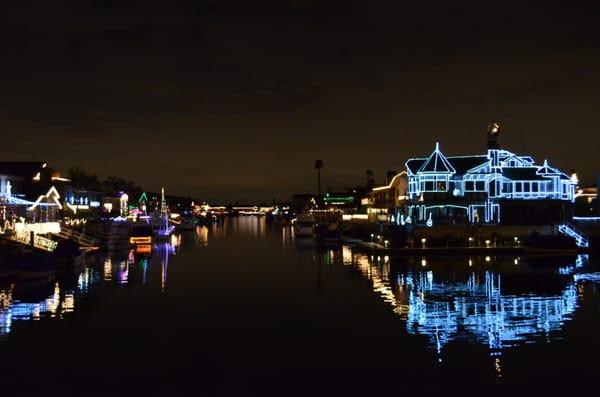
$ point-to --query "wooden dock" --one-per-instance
(378, 249)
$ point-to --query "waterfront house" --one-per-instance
(27, 191)
(385, 202)
(81, 201)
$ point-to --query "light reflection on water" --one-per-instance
(22, 301)
(471, 304)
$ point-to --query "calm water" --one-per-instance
(244, 308)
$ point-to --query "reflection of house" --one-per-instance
(475, 306)
(444, 310)
(499, 186)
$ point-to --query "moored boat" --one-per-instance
(161, 227)
(141, 234)
(304, 225)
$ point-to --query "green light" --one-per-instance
(347, 198)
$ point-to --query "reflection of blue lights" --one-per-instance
(472, 309)
(580, 261)
(62, 301)
(477, 310)
(22, 311)
(587, 277)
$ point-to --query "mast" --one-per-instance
(163, 202)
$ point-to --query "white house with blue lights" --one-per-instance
(497, 187)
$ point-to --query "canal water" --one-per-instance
(246, 308)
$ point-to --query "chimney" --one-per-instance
(493, 131)
(390, 175)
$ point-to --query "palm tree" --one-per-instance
(318, 166)
(369, 179)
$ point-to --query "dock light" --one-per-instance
(423, 262)
(423, 242)
(386, 243)
(516, 261)
(516, 240)
(487, 259)
(487, 243)
(372, 235)
(470, 262)
(386, 259)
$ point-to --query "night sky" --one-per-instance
(234, 100)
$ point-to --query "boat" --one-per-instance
(328, 233)
(304, 225)
(141, 234)
(119, 236)
(161, 227)
(186, 224)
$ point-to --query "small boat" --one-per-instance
(328, 234)
(187, 224)
(161, 228)
(141, 234)
(304, 225)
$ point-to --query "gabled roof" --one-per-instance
(546, 170)
(413, 165)
(437, 163)
(522, 174)
(463, 164)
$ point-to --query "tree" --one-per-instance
(82, 179)
(370, 181)
(318, 167)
